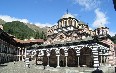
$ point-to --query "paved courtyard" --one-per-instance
(19, 67)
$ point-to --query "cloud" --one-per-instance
(101, 19)
(88, 4)
(90, 28)
(112, 33)
(44, 24)
(10, 19)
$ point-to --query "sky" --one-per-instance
(95, 13)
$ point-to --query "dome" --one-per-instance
(68, 15)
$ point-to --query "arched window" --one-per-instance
(98, 31)
(69, 22)
(65, 22)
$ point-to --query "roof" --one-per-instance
(7, 38)
(30, 41)
(88, 40)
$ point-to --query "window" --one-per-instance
(65, 22)
(61, 37)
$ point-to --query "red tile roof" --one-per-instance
(29, 41)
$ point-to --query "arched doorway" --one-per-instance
(45, 59)
(53, 58)
(72, 58)
(86, 57)
(62, 58)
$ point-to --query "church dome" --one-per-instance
(68, 15)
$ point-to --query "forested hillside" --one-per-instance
(2, 21)
(22, 31)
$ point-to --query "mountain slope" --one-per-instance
(2, 21)
(22, 31)
(35, 28)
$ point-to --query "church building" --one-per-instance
(72, 43)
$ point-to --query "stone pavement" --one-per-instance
(20, 67)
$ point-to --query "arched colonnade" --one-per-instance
(73, 56)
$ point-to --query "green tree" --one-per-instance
(22, 31)
(19, 30)
(37, 35)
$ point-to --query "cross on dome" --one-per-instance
(67, 15)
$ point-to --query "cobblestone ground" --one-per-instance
(19, 67)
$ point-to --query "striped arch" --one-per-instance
(86, 57)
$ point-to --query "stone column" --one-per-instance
(95, 56)
(58, 60)
(62, 23)
(48, 55)
(96, 32)
(48, 61)
(66, 61)
(66, 55)
(19, 53)
(22, 54)
(78, 61)
(101, 59)
(25, 52)
(104, 59)
(78, 54)
(67, 22)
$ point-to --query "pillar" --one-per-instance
(48, 61)
(104, 59)
(68, 22)
(58, 61)
(22, 54)
(19, 54)
(62, 23)
(25, 52)
(66, 61)
(95, 56)
(78, 61)
(66, 55)
(101, 59)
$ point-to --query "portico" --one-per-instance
(75, 54)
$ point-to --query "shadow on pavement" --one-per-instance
(2, 65)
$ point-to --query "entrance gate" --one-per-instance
(62, 58)
(86, 57)
(72, 58)
(53, 58)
